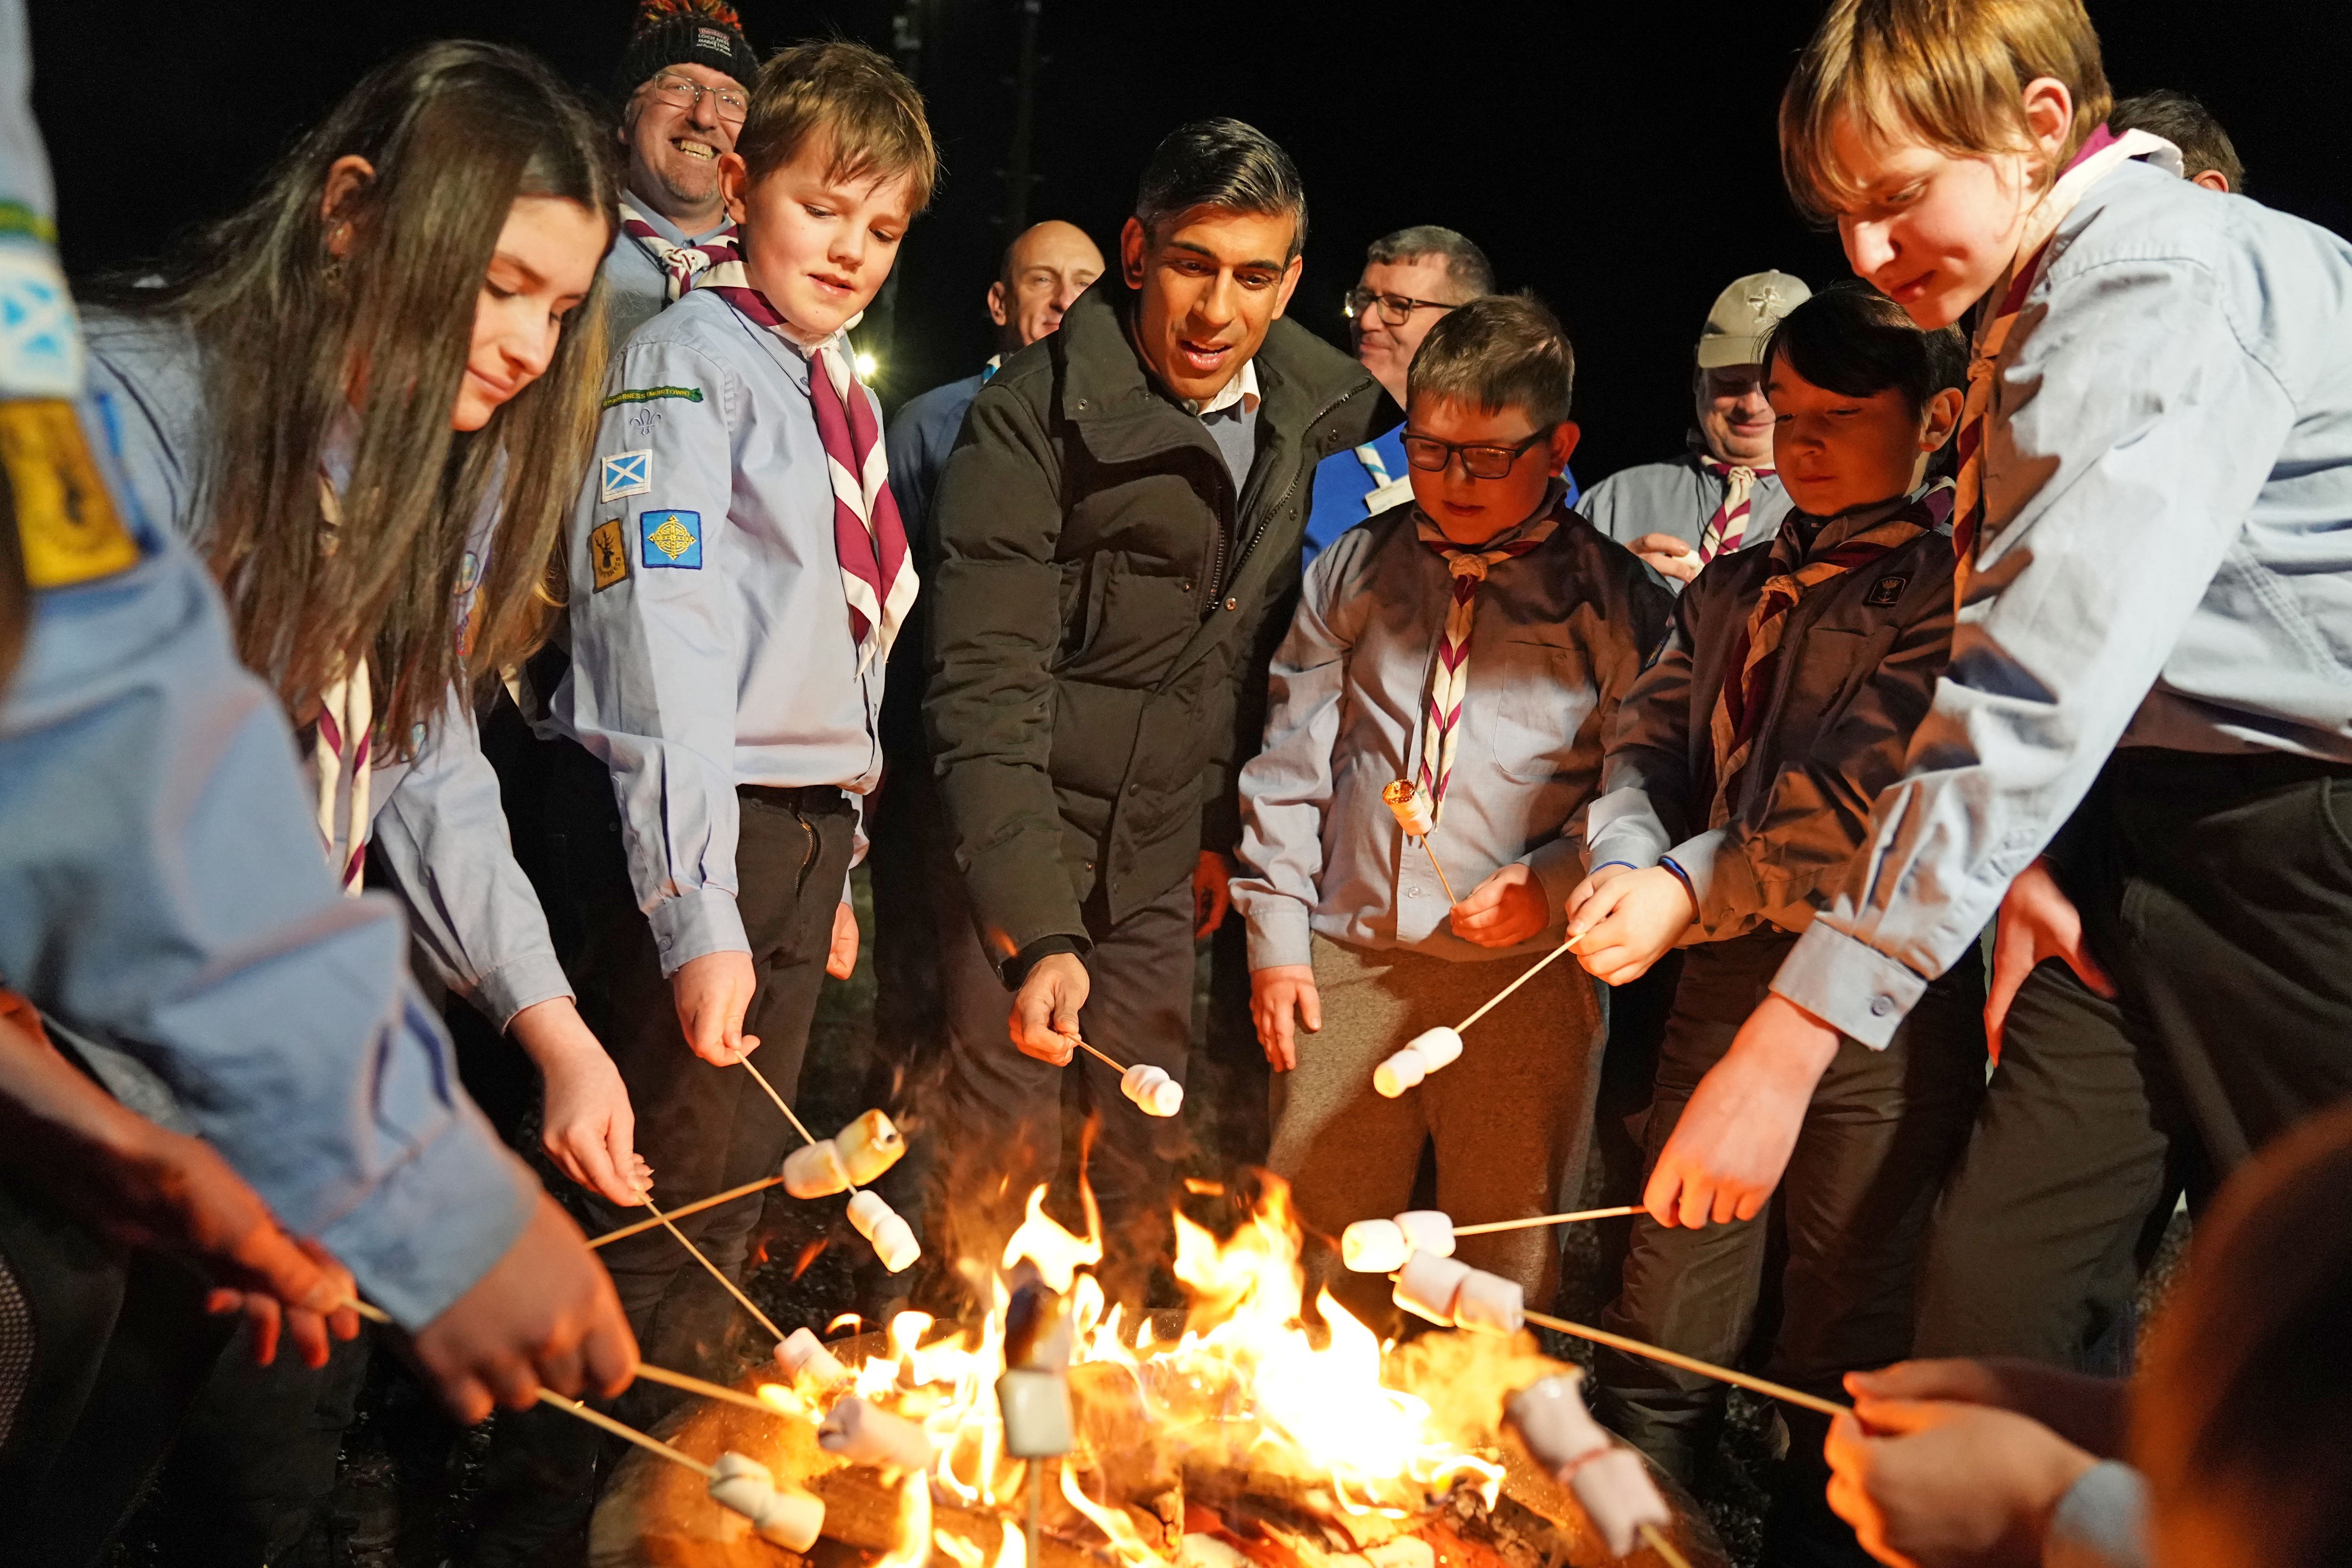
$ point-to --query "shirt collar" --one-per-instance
(655, 220)
(1241, 389)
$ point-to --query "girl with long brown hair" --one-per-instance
(367, 397)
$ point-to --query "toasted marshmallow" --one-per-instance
(815, 1170)
(802, 1354)
(1426, 1287)
(1411, 806)
(866, 1434)
(788, 1517)
(1620, 1498)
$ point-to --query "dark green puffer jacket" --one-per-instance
(1103, 608)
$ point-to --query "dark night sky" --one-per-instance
(1619, 159)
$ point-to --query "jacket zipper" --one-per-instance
(1217, 582)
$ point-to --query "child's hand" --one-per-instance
(1504, 911)
(1593, 884)
(1629, 923)
(1275, 993)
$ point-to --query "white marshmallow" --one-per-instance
(867, 1210)
(1167, 1098)
(866, 1435)
(1428, 1230)
(1035, 1405)
(790, 1518)
(1426, 1287)
(1490, 1304)
(815, 1170)
(1153, 1092)
(800, 1353)
(1400, 1072)
(1374, 1247)
(1441, 1046)
(1618, 1497)
(1553, 1425)
(1411, 803)
(868, 1146)
(892, 1237)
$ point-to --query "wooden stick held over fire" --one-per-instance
(892, 1238)
(1691, 1363)
(679, 1380)
(1619, 1212)
(1153, 1092)
(716, 1272)
(651, 1445)
(713, 1201)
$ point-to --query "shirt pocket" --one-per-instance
(1543, 700)
(1832, 667)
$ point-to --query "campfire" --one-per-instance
(1254, 1428)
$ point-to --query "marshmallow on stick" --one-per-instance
(1610, 1482)
(1450, 1292)
(1417, 815)
(802, 1354)
(1154, 1092)
(893, 1239)
(784, 1515)
(852, 1157)
(866, 1434)
(1382, 1246)
(1433, 1049)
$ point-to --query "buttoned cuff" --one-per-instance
(1623, 826)
(525, 983)
(434, 1224)
(1848, 985)
(2101, 1523)
(1278, 933)
(1560, 867)
(700, 921)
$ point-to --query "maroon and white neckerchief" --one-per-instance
(877, 575)
(343, 739)
(1449, 679)
(1755, 658)
(1729, 527)
(2100, 153)
(680, 263)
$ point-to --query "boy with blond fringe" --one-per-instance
(2154, 526)
(734, 593)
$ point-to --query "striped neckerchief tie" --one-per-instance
(1729, 527)
(877, 574)
(343, 740)
(2100, 153)
(1739, 707)
(1449, 679)
(680, 263)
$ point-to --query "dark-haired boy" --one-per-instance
(1478, 639)
(1118, 544)
(2207, 156)
(1738, 782)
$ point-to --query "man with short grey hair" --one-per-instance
(1722, 494)
(1411, 279)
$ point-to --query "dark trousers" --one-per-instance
(703, 1129)
(2217, 892)
(1004, 1122)
(1883, 1128)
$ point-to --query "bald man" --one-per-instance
(1046, 268)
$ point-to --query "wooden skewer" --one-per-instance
(806, 1136)
(1496, 999)
(374, 1314)
(1495, 1225)
(1655, 1540)
(1691, 1363)
(622, 1429)
(697, 1206)
(1106, 1061)
(1433, 866)
(707, 1390)
(717, 1273)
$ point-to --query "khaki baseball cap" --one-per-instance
(1745, 315)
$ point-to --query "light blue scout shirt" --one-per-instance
(1350, 486)
(710, 642)
(1679, 497)
(1557, 639)
(636, 289)
(437, 821)
(161, 882)
(2168, 563)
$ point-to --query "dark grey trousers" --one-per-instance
(1883, 1130)
(1003, 1128)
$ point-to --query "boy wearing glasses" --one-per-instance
(684, 85)
(1476, 639)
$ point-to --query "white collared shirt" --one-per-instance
(1241, 389)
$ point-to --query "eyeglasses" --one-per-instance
(1480, 461)
(684, 93)
(1395, 308)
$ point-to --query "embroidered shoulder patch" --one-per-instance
(1889, 590)
(608, 554)
(66, 522)
(653, 394)
(626, 474)
(671, 538)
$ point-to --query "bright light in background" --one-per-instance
(866, 365)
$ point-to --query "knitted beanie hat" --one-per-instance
(685, 32)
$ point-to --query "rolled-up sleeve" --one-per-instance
(161, 884)
(443, 833)
(2137, 430)
(656, 646)
(1285, 789)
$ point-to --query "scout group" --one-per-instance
(1933, 774)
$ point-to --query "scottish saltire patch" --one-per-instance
(626, 474)
(1889, 590)
(40, 342)
(653, 394)
(608, 554)
(671, 538)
